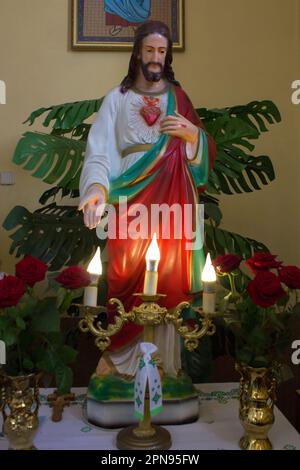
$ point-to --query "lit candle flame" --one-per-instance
(95, 265)
(153, 253)
(208, 273)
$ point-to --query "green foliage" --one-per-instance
(198, 364)
(67, 116)
(53, 233)
(262, 335)
(233, 129)
(34, 341)
(219, 241)
(51, 158)
(56, 233)
(296, 309)
(31, 326)
(256, 113)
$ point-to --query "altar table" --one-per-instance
(218, 426)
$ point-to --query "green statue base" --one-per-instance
(110, 404)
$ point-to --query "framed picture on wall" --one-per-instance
(110, 24)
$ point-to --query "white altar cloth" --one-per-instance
(218, 426)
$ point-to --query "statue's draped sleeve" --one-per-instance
(102, 155)
(206, 145)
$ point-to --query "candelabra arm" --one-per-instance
(90, 323)
(191, 335)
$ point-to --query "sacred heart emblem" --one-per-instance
(151, 111)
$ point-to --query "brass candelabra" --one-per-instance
(148, 314)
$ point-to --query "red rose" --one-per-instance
(226, 263)
(265, 289)
(74, 277)
(11, 290)
(263, 262)
(31, 270)
(290, 275)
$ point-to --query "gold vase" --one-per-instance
(20, 405)
(257, 397)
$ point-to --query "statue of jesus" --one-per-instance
(148, 145)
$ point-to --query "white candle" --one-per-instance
(209, 287)
(95, 270)
(151, 275)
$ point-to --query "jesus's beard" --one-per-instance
(151, 76)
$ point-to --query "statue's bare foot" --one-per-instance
(105, 367)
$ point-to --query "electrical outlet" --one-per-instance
(7, 178)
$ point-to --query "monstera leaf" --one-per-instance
(53, 192)
(237, 177)
(66, 116)
(233, 128)
(235, 171)
(55, 234)
(51, 158)
(256, 113)
(219, 241)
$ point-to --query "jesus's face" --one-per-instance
(153, 56)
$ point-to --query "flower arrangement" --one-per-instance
(259, 309)
(30, 324)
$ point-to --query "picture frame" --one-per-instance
(109, 25)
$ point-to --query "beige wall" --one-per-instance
(236, 51)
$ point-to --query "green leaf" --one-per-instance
(283, 300)
(253, 113)
(35, 114)
(4, 323)
(20, 323)
(244, 355)
(9, 336)
(47, 361)
(64, 379)
(55, 192)
(220, 241)
(67, 354)
(51, 158)
(257, 336)
(254, 172)
(296, 310)
(198, 364)
(260, 361)
(28, 364)
(213, 212)
(46, 317)
(67, 116)
(54, 234)
(227, 129)
(60, 291)
(56, 339)
(233, 129)
(67, 300)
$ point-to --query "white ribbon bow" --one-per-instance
(147, 374)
